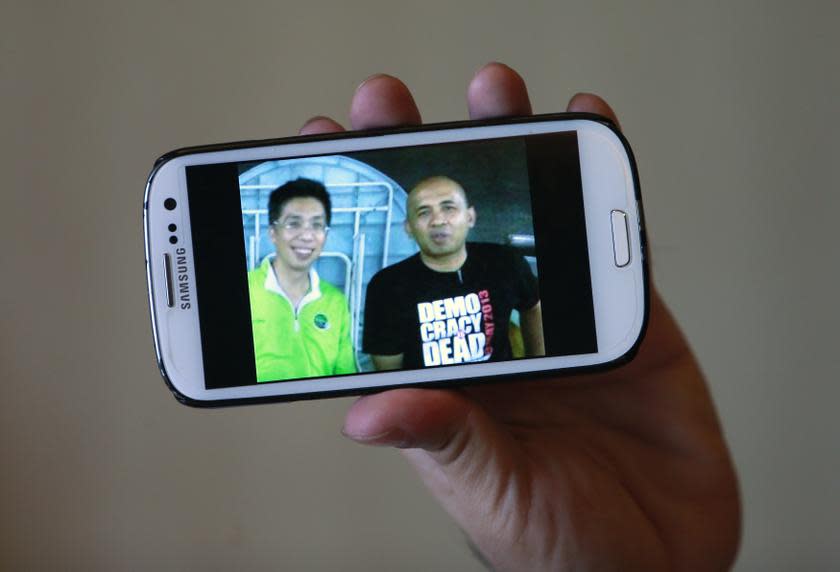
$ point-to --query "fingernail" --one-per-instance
(389, 438)
(488, 64)
(374, 76)
(315, 118)
(309, 122)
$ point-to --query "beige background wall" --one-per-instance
(732, 109)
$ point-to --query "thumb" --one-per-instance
(443, 423)
(462, 454)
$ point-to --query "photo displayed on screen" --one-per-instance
(403, 258)
(391, 259)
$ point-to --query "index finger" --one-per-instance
(497, 90)
(383, 101)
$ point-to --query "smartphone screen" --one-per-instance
(402, 258)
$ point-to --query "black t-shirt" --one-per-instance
(442, 318)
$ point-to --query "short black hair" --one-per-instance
(298, 188)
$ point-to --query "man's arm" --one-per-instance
(382, 324)
(382, 363)
(532, 331)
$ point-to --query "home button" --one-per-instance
(621, 238)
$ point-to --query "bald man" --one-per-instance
(451, 303)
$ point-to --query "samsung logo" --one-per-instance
(181, 271)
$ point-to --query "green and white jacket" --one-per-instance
(312, 340)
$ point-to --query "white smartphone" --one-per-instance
(431, 256)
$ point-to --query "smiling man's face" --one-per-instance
(299, 233)
(439, 217)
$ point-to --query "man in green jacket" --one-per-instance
(301, 324)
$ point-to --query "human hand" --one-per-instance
(624, 470)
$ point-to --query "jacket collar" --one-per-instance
(273, 285)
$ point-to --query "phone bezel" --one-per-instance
(168, 175)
